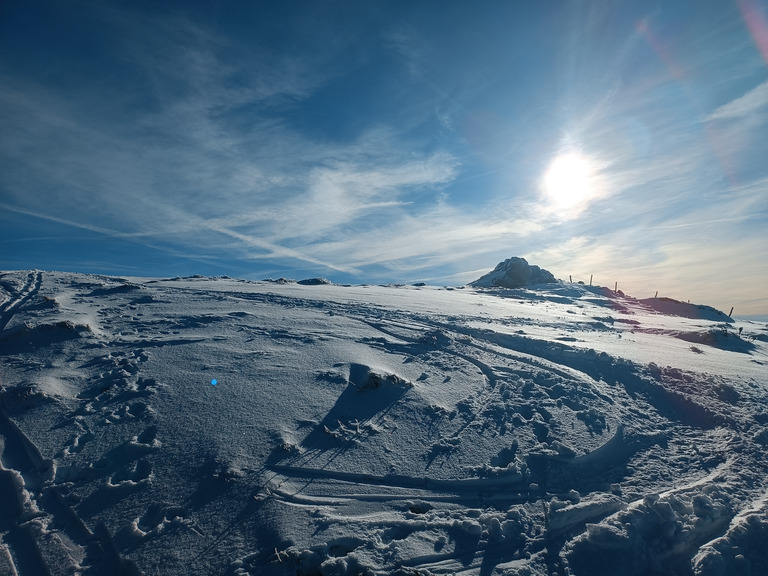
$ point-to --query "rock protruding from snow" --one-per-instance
(314, 282)
(514, 273)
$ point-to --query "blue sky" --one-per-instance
(390, 141)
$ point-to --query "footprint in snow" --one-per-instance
(138, 472)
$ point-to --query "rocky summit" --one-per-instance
(514, 273)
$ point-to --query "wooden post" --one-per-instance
(590, 279)
(570, 278)
(616, 287)
(657, 294)
(731, 312)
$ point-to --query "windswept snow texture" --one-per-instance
(375, 430)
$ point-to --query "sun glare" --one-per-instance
(567, 182)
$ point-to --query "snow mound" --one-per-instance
(652, 534)
(514, 273)
(719, 337)
(671, 307)
(367, 378)
(29, 337)
(741, 550)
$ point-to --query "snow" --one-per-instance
(549, 429)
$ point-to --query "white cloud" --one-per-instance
(81, 225)
(183, 173)
(340, 195)
(438, 236)
(408, 45)
(745, 105)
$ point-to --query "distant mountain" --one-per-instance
(514, 273)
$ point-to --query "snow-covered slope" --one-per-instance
(375, 430)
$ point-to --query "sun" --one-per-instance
(568, 180)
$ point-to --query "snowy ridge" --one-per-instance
(375, 430)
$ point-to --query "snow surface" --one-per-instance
(559, 429)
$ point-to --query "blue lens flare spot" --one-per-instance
(214, 381)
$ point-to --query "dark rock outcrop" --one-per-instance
(514, 273)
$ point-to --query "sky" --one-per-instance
(390, 141)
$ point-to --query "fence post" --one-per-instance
(590, 279)
(731, 312)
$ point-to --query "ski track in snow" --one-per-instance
(15, 298)
(373, 430)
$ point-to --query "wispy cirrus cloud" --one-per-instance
(756, 100)
(206, 160)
